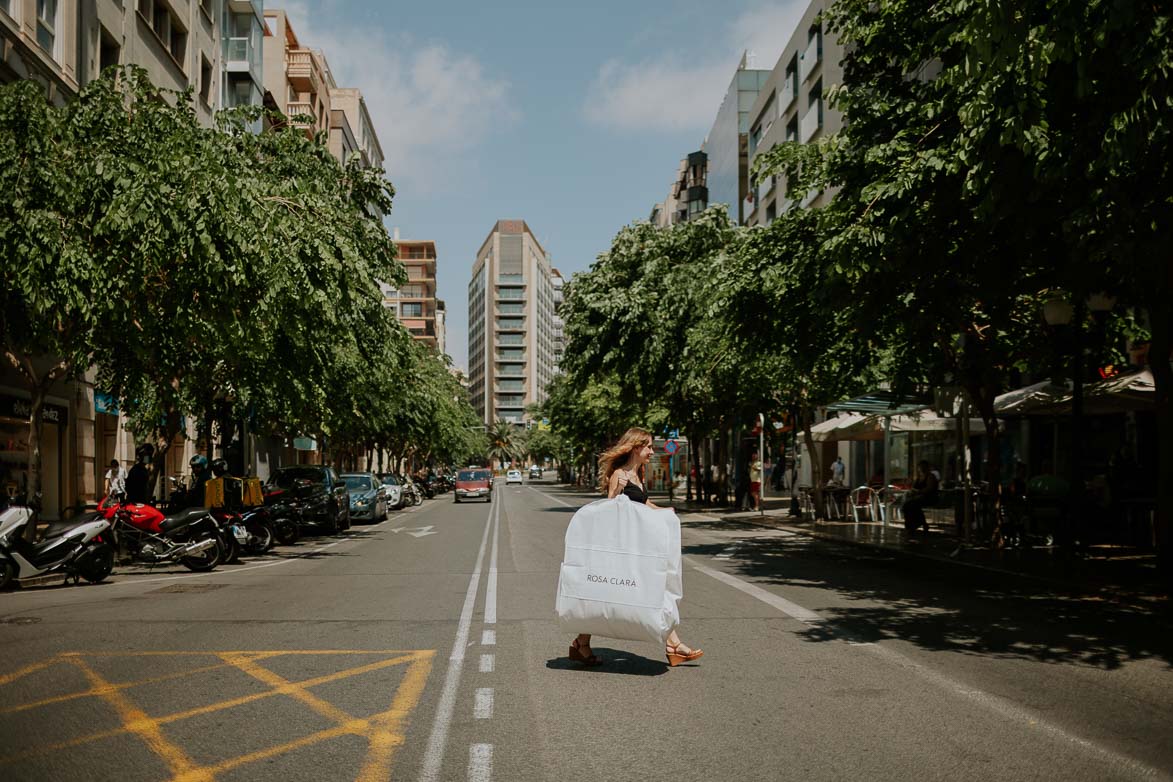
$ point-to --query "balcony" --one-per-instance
(811, 122)
(294, 108)
(810, 58)
(789, 93)
(511, 324)
(302, 70)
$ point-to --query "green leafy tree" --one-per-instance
(502, 443)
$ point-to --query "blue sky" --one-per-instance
(572, 117)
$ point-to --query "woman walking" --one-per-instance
(621, 471)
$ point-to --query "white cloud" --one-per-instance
(673, 91)
(428, 103)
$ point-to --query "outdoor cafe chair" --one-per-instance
(863, 502)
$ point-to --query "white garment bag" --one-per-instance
(621, 574)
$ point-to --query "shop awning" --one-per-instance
(1036, 399)
(856, 426)
(1122, 394)
(882, 402)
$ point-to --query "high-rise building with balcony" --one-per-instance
(688, 194)
(727, 144)
(511, 326)
(792, 106)
(415, 303)
(297, 77)
(243, 35)
(65, 44)
(559, 283)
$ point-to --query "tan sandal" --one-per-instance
(676, 657)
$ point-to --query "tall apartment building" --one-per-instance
(415, 303)
(212, 46)
(441, 327)
(727, 144)
(687, 195)
(298, 78)
(559, 326)
(511, 331)
(792, 106)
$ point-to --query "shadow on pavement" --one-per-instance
(618, 661)
(941, 607)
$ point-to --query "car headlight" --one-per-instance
(362, 503)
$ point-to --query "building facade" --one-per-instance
(792, 106)
(688, 195)
(298, 78)
(210, 46)
(415, 303)
(727, 144)
(511, 324)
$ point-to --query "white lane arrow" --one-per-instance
(416, 532)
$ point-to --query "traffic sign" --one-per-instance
(670, 447)
(673, 434)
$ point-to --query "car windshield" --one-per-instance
(389, 480)
(358, 482)
(288, 478)
(473, 475)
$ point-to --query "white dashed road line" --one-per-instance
(486, 663)
(434, 754)
(483, 703)
(488, 638)
(480, 763)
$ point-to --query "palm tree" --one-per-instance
(501, 442)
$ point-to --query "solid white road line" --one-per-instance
(486, 663)
(480, 763)
(483, 703)
(769, 598)
(491, 584)
(555, 499)
(488, 638)
(434, 754)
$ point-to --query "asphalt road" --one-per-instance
(425, 648)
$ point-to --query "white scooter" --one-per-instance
(76, 549)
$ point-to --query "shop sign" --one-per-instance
(304, 444)
(15, 407)
(104, 403)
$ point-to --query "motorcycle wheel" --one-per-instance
(262, 540)
(417, 499)
(230, 548)
(205, 560)
(99, 564)
(286, 531)
(7, 573)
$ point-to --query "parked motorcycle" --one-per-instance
(258, 527)
(189, 537)
(415, 495)
(285, 512)
(77, 549)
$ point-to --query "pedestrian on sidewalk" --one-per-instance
(924, 493)
(622, 471)
(115, 479)
(838, 471)
(755, 480)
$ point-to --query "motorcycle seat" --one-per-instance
(59, 528)
(182, 518)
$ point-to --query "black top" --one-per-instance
(635, 493)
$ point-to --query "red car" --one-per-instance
(473, 484)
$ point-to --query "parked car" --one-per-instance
(392, 491)
(324, 497)
(513, 476)
(473, 484)
(535, 471)
(367, 501)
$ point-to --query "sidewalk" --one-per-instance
(1107, 572)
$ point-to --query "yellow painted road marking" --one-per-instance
(383, 731)
(137, 722)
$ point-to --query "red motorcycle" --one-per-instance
(189, 537)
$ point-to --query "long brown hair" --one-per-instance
(618, 454)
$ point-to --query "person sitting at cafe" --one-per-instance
(925, 492)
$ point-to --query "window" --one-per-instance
(47, 24)
(160, 21)
(413, 310)
(178, 42)
(108, 51)
(6, 6)
(511, 309)
(205, 81)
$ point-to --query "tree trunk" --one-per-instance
(165, 435)
(816, 462)
(1160, 348)
(983, 397)
(33, 492)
